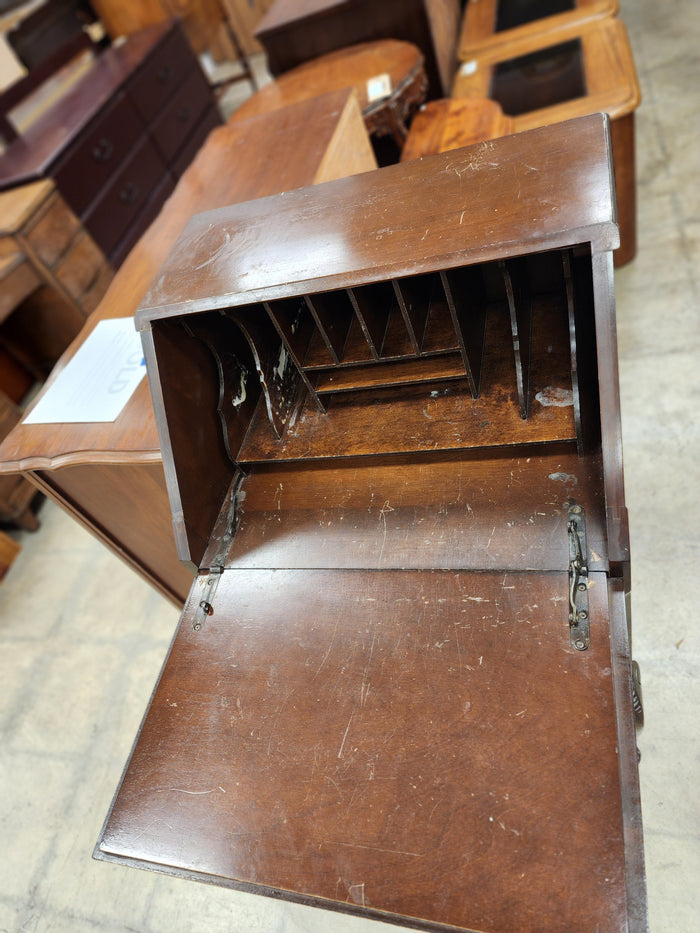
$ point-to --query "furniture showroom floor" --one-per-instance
(83, 638)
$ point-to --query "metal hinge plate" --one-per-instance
(579, 620)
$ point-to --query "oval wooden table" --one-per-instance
(354, 67)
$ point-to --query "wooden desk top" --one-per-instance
(250, 158)
(29, 157)
(336, 70)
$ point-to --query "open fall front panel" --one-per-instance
(389, 416)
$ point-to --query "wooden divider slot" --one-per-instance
(515, 278)
(425, 369)
(333, 313)
(415, 295)
(295, 325)
(373, 306)
(466, 299)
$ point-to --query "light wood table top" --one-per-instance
(479, 26)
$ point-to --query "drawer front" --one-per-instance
(119, 206)
(175, 124)
(89, 167)
(81, 266)
(53, 231)
(156, 82)
(142, 222)
(209, 121)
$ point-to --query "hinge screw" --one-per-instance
(580, 644)
(581, 587)
(577, 509)
(582, 614)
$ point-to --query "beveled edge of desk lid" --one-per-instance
(554, 187)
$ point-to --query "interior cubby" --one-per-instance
(487, 354)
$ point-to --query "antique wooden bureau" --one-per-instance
(119, 139)
(389, 417)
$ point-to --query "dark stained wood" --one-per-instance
(226, 262)
(117, 134)
(294, 31)
(459, 745)
(374, 672)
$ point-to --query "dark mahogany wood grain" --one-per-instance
(488, 198)
(454, 762)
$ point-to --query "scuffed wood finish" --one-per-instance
(476, 511)
(485, 205)
(295, 31)
(407, 745)
(9, 549)
(479, 26)
(441, 125)
(609, 85)
(373, 703)
(353, 67)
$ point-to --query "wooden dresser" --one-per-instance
(389, 415)
(118, 140)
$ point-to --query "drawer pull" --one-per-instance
(102, 152)
(184, 114)
(129, 193)
(165, 74)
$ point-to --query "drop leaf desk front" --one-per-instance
(388, 408)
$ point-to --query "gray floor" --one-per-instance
(82, 638)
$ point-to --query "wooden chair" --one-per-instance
(586, 68)
(441, 125)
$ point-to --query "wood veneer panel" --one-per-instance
(425, 369)
(472, 512)
(340, 745)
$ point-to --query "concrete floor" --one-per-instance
(82, 637)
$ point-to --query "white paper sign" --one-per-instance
(99, 380)
(378, 88)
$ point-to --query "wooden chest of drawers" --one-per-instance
(389, 417)
(117, 142)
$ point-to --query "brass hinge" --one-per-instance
(579, 620)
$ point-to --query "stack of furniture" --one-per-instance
(118, 140)
(401, 683)
(355, 66)
(540, 77)
(109, 476)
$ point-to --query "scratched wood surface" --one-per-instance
(457, 512)
(312, 740)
